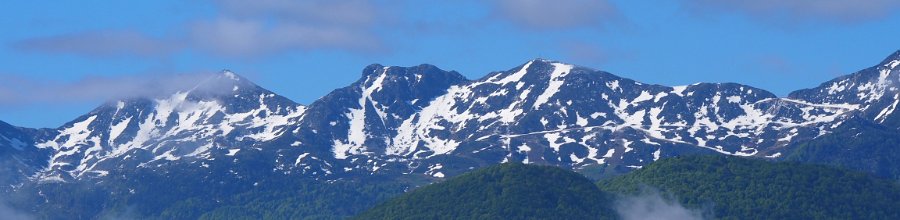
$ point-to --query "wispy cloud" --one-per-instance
(239, 29)
(800, 11)
(102, 44)
(558, 14)
(246, 28)
(19, 90)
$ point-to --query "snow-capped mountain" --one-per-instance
(219, 117)
(424, 120)
(555, 113)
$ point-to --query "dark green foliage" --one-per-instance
(278, 197)
(312, 201)
(507, 191)
(739, 188)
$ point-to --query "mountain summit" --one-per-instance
(219, 116)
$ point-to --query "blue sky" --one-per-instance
(60, 60)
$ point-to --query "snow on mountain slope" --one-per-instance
(873, 90)
(421, 119)
(358, 122)
(551, 112)
(223, 113)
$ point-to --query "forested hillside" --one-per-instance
(739, 188)
(507, 191)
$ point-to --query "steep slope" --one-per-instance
(507, 191)
(873, 91)
(739, 188)
(19, 158)
(351, 128)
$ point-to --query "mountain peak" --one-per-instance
(421, 71)
(223, 82)
(375, 69)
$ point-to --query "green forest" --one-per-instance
(740, 188)
(724, 187)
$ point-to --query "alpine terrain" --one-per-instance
(401, 127)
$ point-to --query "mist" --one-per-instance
(7, 212)
(650, 204)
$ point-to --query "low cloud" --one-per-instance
(558, 14)
(7, 212)
(799, 11)
(18, 90)
(652, 205)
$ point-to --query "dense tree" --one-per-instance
(739, 188)
(507, 191)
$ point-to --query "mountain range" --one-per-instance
(429, 123)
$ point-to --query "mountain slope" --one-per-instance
(507, 191)
(738, 188)
(19, 158)
(217, 118)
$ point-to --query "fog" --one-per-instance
(652, 205)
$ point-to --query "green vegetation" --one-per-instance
(722, 187)
(507, 191)
(739, 188)
(279, 197)
(321, 201)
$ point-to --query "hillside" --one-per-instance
(507, 191)
(738, 188)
